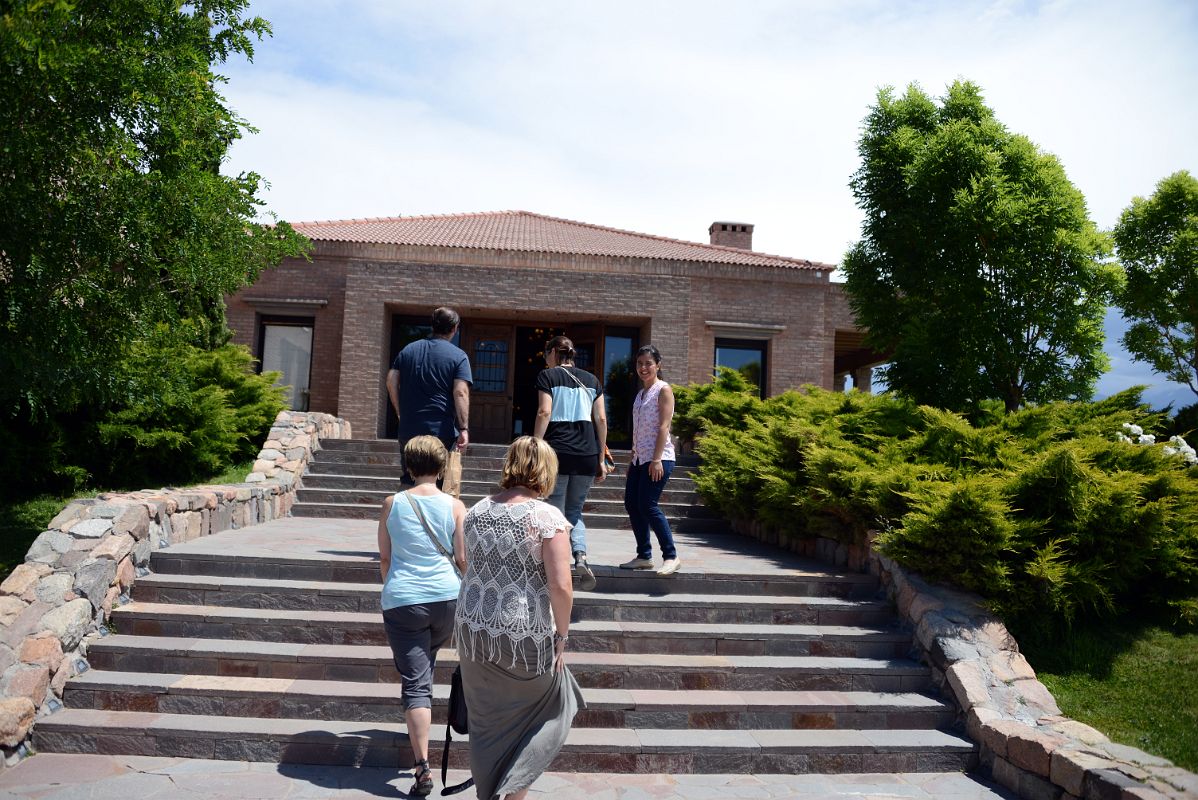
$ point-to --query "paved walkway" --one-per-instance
(67, 777)
(95, 777)
(356, 540)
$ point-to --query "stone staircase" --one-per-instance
(266, 644)
(349, 478)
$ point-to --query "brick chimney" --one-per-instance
(732, 234)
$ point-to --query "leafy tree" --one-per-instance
(117, 221)
(1157, 241)
(978, 269)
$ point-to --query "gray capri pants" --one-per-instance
(416, 633)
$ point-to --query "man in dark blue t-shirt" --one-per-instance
(429, 386)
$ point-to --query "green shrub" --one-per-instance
(186, 413)
(1042, 511)
(212, 411)
(726, 401)
(961, 533)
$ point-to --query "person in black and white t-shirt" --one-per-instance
(572, 419)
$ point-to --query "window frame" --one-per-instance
(287, 321)
(760, 346)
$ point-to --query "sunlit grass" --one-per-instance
(1134, 681)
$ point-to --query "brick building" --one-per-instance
(333, 325)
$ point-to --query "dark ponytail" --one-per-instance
(563, 347)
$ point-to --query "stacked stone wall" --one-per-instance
(91, 554)
(1026, 744)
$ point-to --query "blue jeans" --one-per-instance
(640, 499)
(568, 495)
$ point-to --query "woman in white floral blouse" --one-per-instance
(512, 625)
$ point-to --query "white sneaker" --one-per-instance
(638, 563)
(669, 566)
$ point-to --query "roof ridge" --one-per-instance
(399, 217)
(655, 237)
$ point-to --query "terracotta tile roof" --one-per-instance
(525, 231)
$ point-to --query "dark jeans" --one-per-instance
(415, 634)
(640, 500)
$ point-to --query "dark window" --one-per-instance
(747, 356)
(619, 383)
(489, 365)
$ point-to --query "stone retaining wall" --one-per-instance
(1026, 744)
(91, 554)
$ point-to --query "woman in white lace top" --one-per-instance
(512, 624)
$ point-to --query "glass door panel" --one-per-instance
(287, 348)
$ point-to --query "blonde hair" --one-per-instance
(424, 455)
(531, 463)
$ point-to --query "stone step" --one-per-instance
(607, 490)
(183, 578)
(373, 664)
(593, 505)
(231, 696)
(475, 449)
(798, 598)
(588, 606)
(470, 472)
(614, 521)
(599, 636)
(586, 749)
(470, 462)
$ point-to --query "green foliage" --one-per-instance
(728, 398)
(972, 231)
(211, 411)
(193, 414)
(962, 531)
(1184, 424)
(116, 216)
(1042, 510)
(1157, 241)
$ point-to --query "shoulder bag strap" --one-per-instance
(574, 377)
(432, 536)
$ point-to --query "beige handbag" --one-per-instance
(451, 480)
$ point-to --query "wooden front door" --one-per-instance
(490, 347)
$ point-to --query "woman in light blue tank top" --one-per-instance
(420, 531)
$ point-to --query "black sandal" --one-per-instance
(423, 786)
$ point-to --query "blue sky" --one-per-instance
(663, 116)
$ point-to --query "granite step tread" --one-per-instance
(313, 625)
(352, 582)
(601, 699)
(672, 600)
(350, 653)
(389, 484)
(146, 733)
(485, 472)
(609, 572)
(594, 520)
(593, 505)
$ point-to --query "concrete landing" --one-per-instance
(354, 540)
(84, 777)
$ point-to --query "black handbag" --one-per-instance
(457, 721)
